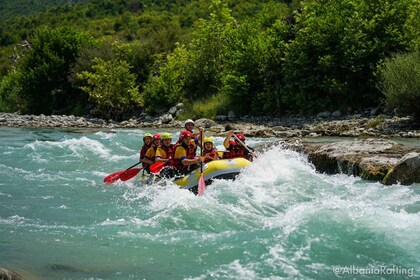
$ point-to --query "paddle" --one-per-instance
(157, 166)
(111, 178)
(201, 183)
(128, 174)
(154, 168)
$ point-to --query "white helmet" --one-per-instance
(188, 121)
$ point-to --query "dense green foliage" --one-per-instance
(44, 70)
(14, 8)
(252, 57)
(337, 49)
(400, 82)
(111, 87)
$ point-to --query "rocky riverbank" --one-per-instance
(380, 160)
(349, 126)
(371, 154)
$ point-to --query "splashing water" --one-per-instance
(278, 220)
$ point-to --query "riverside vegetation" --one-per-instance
(117, 59)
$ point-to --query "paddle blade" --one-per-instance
(201, 185)
(111, 178)
(128, 174)
(157, 166)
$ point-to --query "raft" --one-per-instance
(218, 169)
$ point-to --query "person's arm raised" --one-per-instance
(226, 143)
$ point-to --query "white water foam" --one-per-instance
(78, 147)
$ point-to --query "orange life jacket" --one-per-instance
(212, 153)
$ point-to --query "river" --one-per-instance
(279, 220)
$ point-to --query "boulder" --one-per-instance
(336, 114)
(206, 123)
(179, 106)
(370, 159)
(406, 171)
(229, 126)
(231, 115)
(179, 112)
(376, 167)
(6, 274)
(173, 110)
(279, 128)
(324, 114)
(167, 118)
(266, 132)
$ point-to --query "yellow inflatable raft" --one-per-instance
(218, 169)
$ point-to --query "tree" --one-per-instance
(44, 70)
(332, 61)
(111, 88)
(166, 85)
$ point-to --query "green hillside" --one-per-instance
(116, 58)
(16, 8)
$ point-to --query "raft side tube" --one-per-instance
(218, 169)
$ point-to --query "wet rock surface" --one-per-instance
(406, 171)
(7, 274)
(380, 160)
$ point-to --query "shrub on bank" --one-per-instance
(9, 93)
(400, 82)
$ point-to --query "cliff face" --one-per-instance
(371, 159)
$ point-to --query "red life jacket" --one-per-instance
(227, 154)
(143, 155)
(144, 150)
(168, 150)
(237, 151)
(176, 162)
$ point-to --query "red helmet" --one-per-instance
(232, 142)
(156, 136)
(185, 133)
(241, 136)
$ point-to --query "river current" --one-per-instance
(279, 220)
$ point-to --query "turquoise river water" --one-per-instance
(279, 220)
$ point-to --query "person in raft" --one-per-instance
(195, 138)
(149, 157)
(238, 148)
(184, 159)
(147, 143)
(164, 153)
(209, 151)
(189, 125)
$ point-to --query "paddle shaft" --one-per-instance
(133, 165)
(201, 152)
(201, 183)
